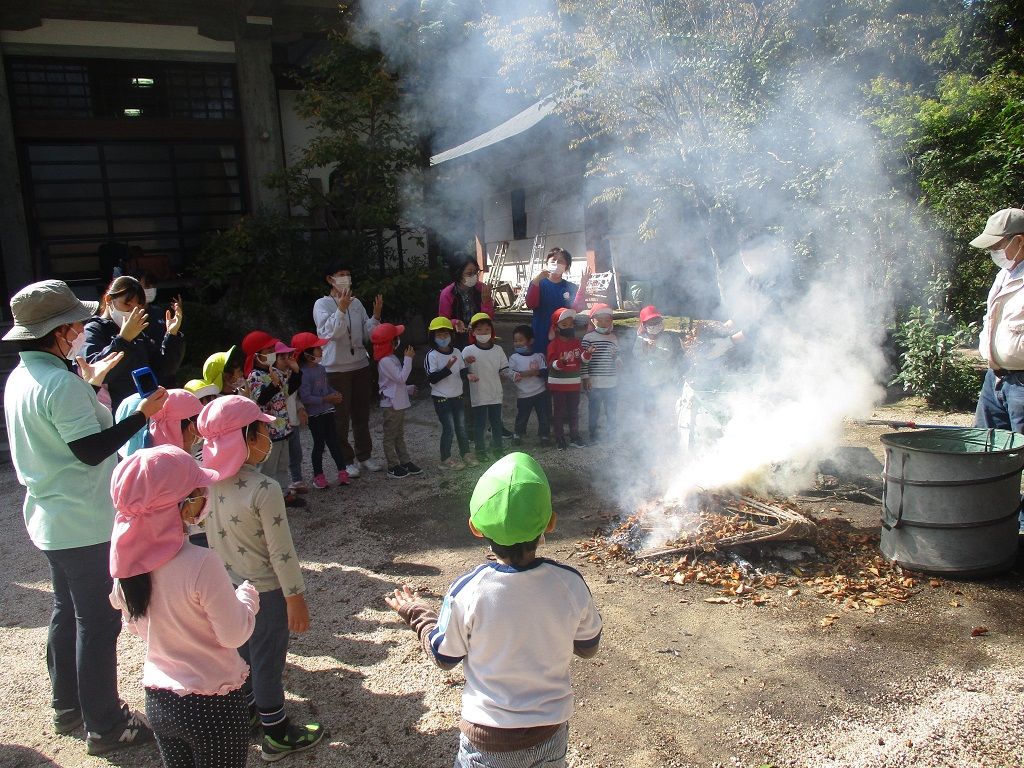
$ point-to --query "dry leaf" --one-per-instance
(792, 592)
(935, 583)
(955, 603)
(878, 602)
(679, 578)
(829, 620)
(979, 631)
(718, 600)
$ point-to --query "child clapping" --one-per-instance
(394, 396)
(487, 365)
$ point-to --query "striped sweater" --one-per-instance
(603, 367)
(565, 363)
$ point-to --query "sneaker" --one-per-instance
(298, 738)
(505, 434)
(452, 463)
(66, 721)
(373, 465)
(344, 478)
(577, 442)
(353, 469)
(299, 486)
(398, 471)
(411, 468)
(470, 460)
(291, 499)
(560, 443)
(133, 731)
(517, 440)
(320, 481)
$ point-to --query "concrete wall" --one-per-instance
(89, 35)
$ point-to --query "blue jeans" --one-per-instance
(598, 400)
(266, 650)
(1001, 408)
(541, 405)
(547, 754)
(481, 415)
(81, 649)
(451, 412)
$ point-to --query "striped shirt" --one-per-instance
(602, 368)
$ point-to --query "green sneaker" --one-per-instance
(298, 738)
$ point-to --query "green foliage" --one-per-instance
(412, 292)
(931, 364)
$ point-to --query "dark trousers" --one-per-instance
(295, 455)
(565, 406)
(451, 412)
(482, 414)
(266, 650)
(353, 409)
(601, 400)
(541, 405)
(325, 433)
(196, 731)
(81, 649)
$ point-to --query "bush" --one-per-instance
(931, 364)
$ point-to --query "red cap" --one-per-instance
(306, 340)
(253, 343)
(648, 313)
(382, 337)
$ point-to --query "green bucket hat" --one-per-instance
(511, 503)
(213, 368)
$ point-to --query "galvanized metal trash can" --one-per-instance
(950, 500)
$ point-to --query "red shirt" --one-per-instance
(565, 358)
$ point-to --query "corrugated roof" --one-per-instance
(525, 120)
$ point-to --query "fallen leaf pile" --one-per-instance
(843, 565)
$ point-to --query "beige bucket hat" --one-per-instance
(43, 306)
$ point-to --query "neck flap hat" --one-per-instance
(253, 343)
(598, 310)
(220, 424)
(147, 488)
(383, 339)
(305, 341)
(511, 503)
(213, 368)
(165, 424)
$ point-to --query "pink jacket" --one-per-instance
(446, 302)
(195, 622)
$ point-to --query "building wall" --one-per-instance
(80, 35)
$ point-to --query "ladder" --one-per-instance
(497, 264)
(536, 259)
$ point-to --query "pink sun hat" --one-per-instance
(220, 424)
(146, 489)
(165, 424)
(283, 349)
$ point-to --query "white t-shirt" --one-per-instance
(489, 365)
(450, 385)
(531, 385)
(515, 630)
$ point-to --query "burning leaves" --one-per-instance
(841, 565)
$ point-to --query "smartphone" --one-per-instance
(145, 381)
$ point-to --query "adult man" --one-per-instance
(1001, 402)
(63, 446)
(341, 319)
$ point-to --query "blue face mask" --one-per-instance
(522, 350)
(442, 341)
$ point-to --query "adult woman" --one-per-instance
(549, 291)
(63, 445)
(121, 327)
(464, 297)
(179, 599)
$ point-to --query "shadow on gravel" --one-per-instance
(26, 607)
(13, 756)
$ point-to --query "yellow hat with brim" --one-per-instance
(213, 368)
(201, 388)
(478, 317)
(440, 322)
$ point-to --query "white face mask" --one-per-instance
(483, 338)
(1000, 259)
(470, 281)
(118, 316)
(76, 346)
(556, 268)
(150, 295)
(341, 283)
(268, 360)
(601, 330)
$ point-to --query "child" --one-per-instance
(269, 387)
(445, 370)
(179, 599)
(656, 358)
(565, 361)
(394, 396)
(601, 373)
(319, 399)
(248, 527)
(287, 365)
(204, 390)
(487, 365)
(225, 371)
(529, 371)
(515, 624)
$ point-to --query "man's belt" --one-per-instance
(1002, 373)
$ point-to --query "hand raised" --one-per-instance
(153, 403)
(378, 305)
(174, 320)
(134, 324)
(95, 373)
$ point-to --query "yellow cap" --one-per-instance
(440, 322)
(478, 317)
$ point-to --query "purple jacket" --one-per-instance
(313, 389)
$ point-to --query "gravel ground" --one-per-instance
(677, 683)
